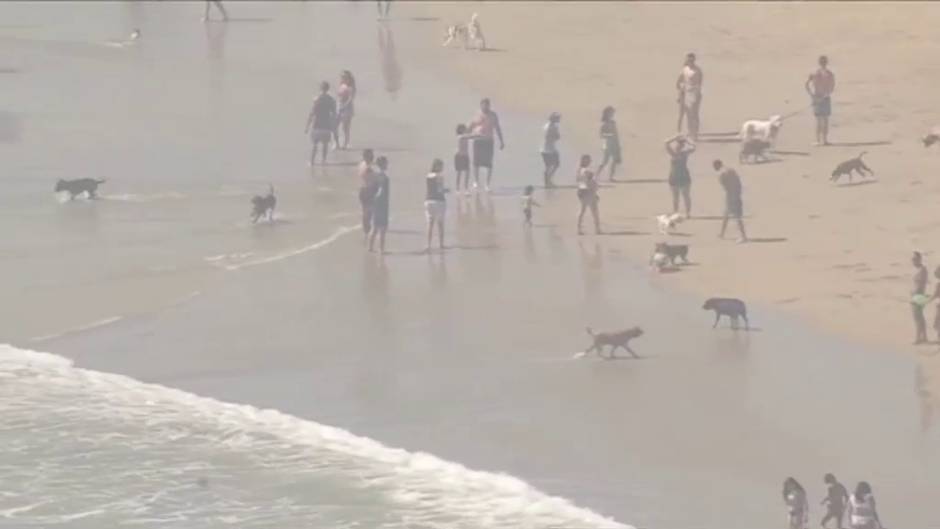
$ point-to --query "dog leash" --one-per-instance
(800, 111)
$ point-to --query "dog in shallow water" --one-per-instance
(263, 206)
(614, 340)
(847, 167)
(78, 186)
(730, 307)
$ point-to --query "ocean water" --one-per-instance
(90, 449)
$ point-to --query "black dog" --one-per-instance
(753, 150)
(730, 307)
(847, 167)
(78, 186)
(263, 205)
(673, 252)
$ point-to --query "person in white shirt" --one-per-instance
(550, 156)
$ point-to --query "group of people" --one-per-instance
(859, 505)
(329, 116)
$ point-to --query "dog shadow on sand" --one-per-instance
(858, 183)
(859, 143)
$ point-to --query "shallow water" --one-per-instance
(466, 355)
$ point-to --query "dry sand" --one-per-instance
(838, 256)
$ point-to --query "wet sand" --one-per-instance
(836, 256)
(466, 355)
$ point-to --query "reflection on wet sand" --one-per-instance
(925, 398)
(388, 58)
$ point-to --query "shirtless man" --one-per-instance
(485, 125)
(734, 205)
(321, 122)
(689, 88)
(919, 291)
(820, 86)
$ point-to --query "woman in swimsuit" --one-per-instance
(862, 511)
(435, 205)
(794, 496)
(587, 193)
(680, 180)
(610, 142)
(345, 97)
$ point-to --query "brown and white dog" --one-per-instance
(614, 340)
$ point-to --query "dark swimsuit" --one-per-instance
(679, 172)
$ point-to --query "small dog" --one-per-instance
(753, 150)
(667, 223)
(730, 307)
(760, 129)
(613, 339)
(457, 32)
(847, 167)
(673, 252)
(78, 186)
(263, 206)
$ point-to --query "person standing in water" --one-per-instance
(435, 205)
(587, 193)
(862, 511)
(462, 158)
(367, 189)
(550, 156)
(689, 88)
(835, 501)
(794, 497)
(380, 204)
(218, 5)
(345, 97)
(485, 125)
(321, 122)
(680, 180)
(610, 143)
(820, 86)
(918, 301)
(734, 205)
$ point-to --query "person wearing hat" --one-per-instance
(919, 298)
(550, 156)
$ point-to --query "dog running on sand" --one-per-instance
(614, 340)
(730, 307)
(847, 167)
(667, 223)
(78, 186)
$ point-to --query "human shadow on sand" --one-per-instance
(621, 233)
(791, 153)
(639, 181)
(766, 239)
(859, 143)
(719, 140)
(424, 19)
(493, 50)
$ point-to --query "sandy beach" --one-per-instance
(838, 256)
(276, 375)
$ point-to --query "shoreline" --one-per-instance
(816, 252)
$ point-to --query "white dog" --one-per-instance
(475, 32)
(667, 223)
(457, 32)
(471, 32)
(761, 130)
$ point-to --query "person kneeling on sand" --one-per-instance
(435, 205)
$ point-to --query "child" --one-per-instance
(527, 203)
(549, 151)
(462, 157)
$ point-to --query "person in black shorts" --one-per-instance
(680, 180)
(321, 122)
(380, 205)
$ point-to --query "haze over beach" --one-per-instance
(172, 364)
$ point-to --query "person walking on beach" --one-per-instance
(680, 180)
(550, 156)
(820, 86)
(367, 189)
(734, 205)
(380, 204)
(689, 88)
(485, 125)
(918, 298)
(345, 96)
(862, 511)
(610, 142)
(587, 193)
(794, 497)
(936, 296)
(321, 122)
(462, 158)
(435, 205)
(218, 5)
(835, 501)
(528, 202)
